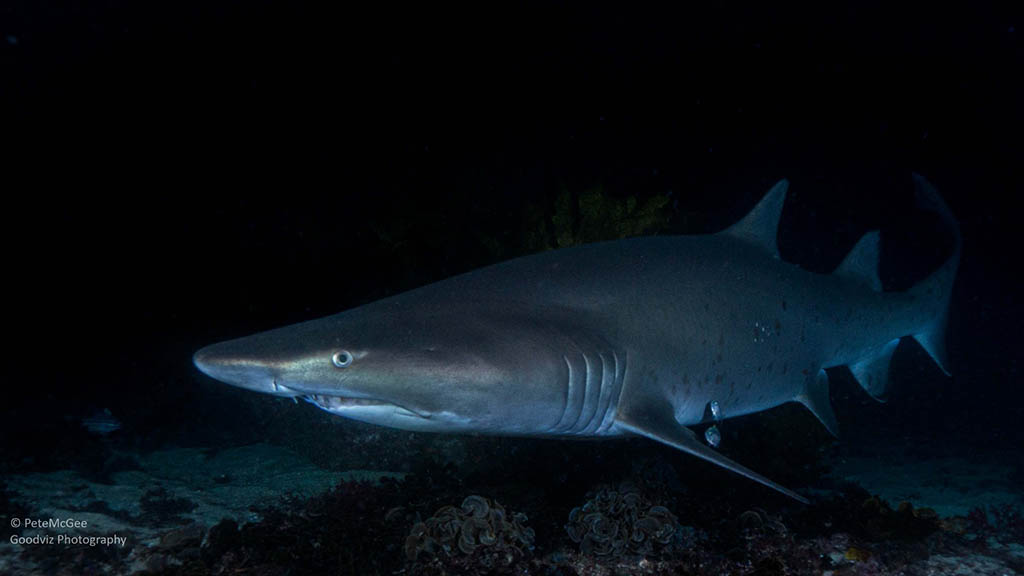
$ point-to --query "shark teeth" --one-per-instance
(339, 403)
(282, 390)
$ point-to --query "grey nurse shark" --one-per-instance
(636, 337)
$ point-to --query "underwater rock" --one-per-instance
(189, 535)
(620, 522)
(479, 526)
(159, 503)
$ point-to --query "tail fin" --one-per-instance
(938, 285)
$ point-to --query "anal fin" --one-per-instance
(658, 423)
(872, 373)
(815, 398)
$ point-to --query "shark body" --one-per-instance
(642, 336)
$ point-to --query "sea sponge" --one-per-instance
(478, 522)
(620, 522)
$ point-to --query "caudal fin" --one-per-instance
(932, 294)
(939, 285)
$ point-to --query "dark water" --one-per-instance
(186, 173)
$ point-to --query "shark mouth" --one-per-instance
(342, 404)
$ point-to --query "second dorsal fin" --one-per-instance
(861, 264)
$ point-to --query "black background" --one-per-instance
(183, 172)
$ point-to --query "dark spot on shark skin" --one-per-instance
(778, 327)
(783, 304)
(759, 368)
(805, 372)
(750, 385)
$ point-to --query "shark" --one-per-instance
(645, 336)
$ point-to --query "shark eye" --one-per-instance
(342, 359)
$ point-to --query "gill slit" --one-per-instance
(591, 396)
(615, 395)
(570, 396)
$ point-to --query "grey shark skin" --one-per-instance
(630, 337)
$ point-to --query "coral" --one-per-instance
(592, 215)
(855, 511)
(1009, 523)
(479, 527)
(1003, 523)
(854, 554)
(756, 523)
(619, 522)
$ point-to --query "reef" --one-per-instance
(1004, 524)
(479, 533)
(561, 513)
(620, 522)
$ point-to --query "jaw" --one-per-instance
(231, 363)
(222, 362)
(381, 413)
(355, 407)
(362, 408)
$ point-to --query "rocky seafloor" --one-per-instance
(265, 510)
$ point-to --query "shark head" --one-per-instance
(415, 368)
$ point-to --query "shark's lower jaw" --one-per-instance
(358, 408)
(352, 406)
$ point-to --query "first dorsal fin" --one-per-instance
(861, 264)
(761, 225)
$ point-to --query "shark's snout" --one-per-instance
(220, 363)
(236, 362)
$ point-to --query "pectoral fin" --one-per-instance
(659, 424)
